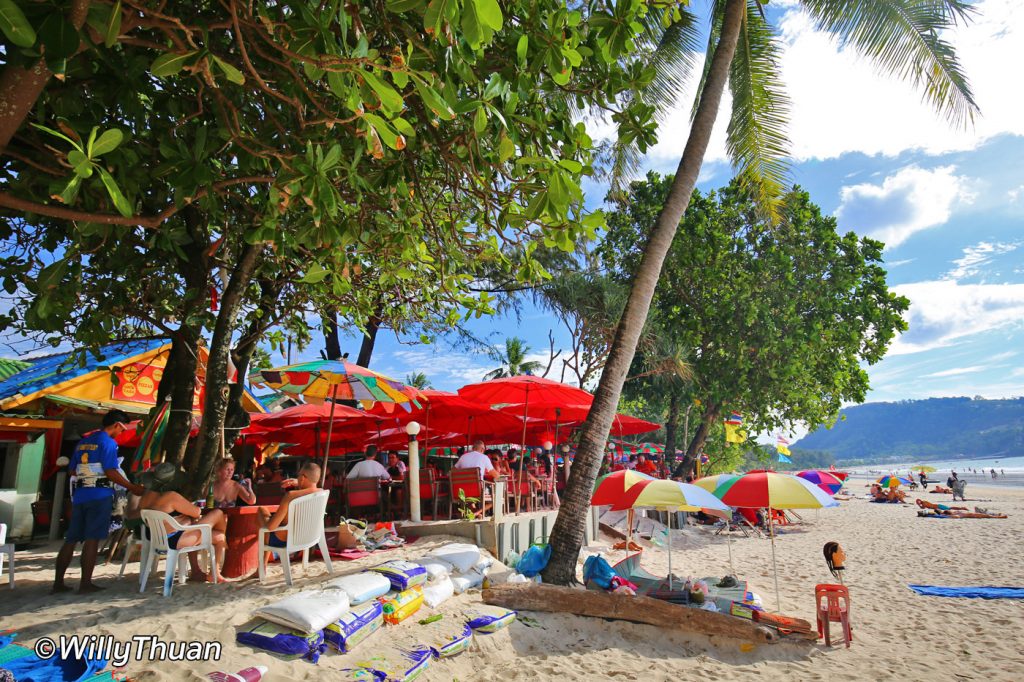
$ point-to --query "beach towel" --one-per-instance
(31, 668)
(970, 592)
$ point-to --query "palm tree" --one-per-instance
(513, 360)
(903, 37)
(418, 380)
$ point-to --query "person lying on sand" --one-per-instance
(940, 489)
(925, 504)
(978, 513)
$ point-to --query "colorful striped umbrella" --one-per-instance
(892, 481)
(669, 495)
(151, 439)
(822, 479)
(712, 483)
(612, 488)
(337, 380)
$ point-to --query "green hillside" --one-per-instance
(924, 429)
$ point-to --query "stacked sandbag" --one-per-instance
(355, 627)
(362, 587)
(393, 666)
(293, 627)
(485, 619)
(467, 567)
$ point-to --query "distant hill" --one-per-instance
(923, 429)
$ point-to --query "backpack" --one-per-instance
(598, 571)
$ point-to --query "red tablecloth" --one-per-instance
(242, 556)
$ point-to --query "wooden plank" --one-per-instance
(594, 604)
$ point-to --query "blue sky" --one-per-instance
(948, 202)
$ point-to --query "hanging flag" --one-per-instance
(151, 439)
(782, 447)
(733, 433)
(783, 458)
(734, 418)
(232, 371)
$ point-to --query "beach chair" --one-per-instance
(157, 523)
(832, 602)
(6, 550)
(429, 490)
(305, 530)
(526, 491)
(470, 482)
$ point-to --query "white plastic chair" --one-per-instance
(305, 529)
(131, 544)
(176, 559)
(8, 550)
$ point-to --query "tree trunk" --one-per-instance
(567, 533)
(332, 344)
(217, 389)
(179, 382)
(369, 339)
(237, 416)
(671, 427)
(21, 87)
(707, 420)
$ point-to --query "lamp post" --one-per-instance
(549, 453)
(413, 428)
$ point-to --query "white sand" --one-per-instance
(897, 633)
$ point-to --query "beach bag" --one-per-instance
(361, 587)
(598, 571)
(534, 560)
(354, 627)
(459, 555)
(281, 640)
(402, 605)
(349, 532)
(399, 665)
(435, 568)
(438, 592)
(489, 619)
(402, 574)
(310, 611)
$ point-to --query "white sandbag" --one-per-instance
(486, 561)
(466, 581)
(436, 569)
(460, 555)
(307, 611)
(517, 578)
(361, 587)
(437, 592)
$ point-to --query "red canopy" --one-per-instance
(443, 412)
(525, 389)
(305, 414)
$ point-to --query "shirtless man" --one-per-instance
(305, 484)
(226, 490)
(186, 513)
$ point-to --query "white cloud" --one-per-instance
(956, 371)
(911, 200)
(1015, 194)
(976, 256)
(945, 312)
(897, 263)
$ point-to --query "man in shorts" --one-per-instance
(305, 484)
(94, 464)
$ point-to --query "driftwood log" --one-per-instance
(554, 599)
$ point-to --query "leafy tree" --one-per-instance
(903, 38)
(418, 380)
(513, 360)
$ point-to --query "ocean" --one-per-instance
(972, 470)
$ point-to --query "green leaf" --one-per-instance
(107, 142)
(389, 97)
(230, 72)
(386, 133)
(506, 149)
(169, 64)
(70, 192)
(314, 275)
(15, 26)
(571, 165)
(58, 36)
(432, 98)
(472, 26)
(398, 6)
(489, 13)
(113, 26)
(55, 133)
(120, 203)
(521, 47)
(480, 120)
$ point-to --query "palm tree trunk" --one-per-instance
(568, 532)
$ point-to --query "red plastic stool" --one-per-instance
(832, 603)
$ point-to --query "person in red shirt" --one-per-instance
(646, 467)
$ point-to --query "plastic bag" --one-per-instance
(355, 626)
(597, 570)
(403, 605)
(402, 574)
(282, 640)
(438, 592)
(534, 560)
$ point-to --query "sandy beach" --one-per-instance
(897, 634)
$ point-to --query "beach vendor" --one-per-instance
(369, 467)
(226, 490)
(160, 495)
(94, 468)
(304, 484)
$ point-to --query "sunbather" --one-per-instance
(956, 514)
(925, 504)
(940, 489)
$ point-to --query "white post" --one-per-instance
(413, 428)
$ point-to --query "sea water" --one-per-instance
(981, 474)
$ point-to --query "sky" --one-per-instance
(948, 202)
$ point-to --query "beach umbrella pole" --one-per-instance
(330, 427)
(670, 515)
(775, 567)
(522, 452)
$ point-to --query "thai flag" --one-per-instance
(735, 419)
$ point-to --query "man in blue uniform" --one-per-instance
(94, 465)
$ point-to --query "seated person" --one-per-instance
(160, 496)
(645, 466)
(369, 467)
(329, 479)
(396, 467)
(501, 466)
(895, 496)
(305, 484)
(476, 459)
(226, 490)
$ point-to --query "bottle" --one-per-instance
(254, 674)
(210, 502)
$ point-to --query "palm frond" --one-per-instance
(756, 137)
(903, 38)
(673, 52)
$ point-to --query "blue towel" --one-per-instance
(33, 669)
(970, 592)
